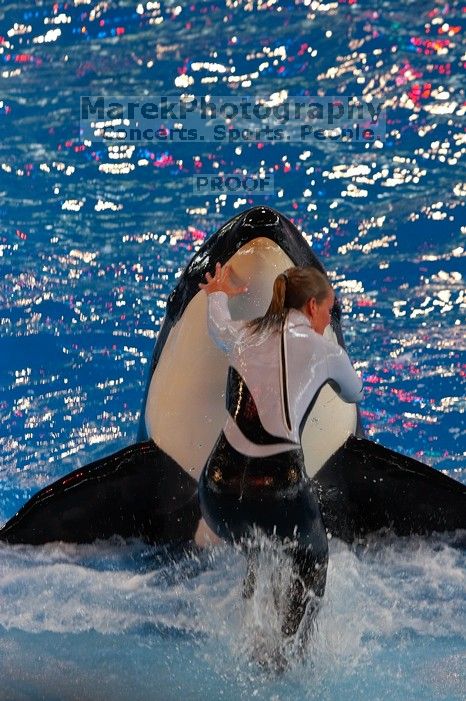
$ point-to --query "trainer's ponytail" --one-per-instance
(291, 289)
(277, 305)
(276, 313)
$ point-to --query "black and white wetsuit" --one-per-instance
(255, 474)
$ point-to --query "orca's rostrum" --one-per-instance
(149, 489)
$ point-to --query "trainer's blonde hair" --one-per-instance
(291, 290)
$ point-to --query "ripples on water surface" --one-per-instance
(89, 253)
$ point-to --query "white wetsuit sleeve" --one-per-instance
(342, 376)
(223, 331)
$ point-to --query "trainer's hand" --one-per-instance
(221, 282)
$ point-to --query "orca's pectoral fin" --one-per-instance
(365, 487)
(136, 492)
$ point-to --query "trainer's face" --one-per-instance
(319, 313)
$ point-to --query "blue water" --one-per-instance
(88, 259)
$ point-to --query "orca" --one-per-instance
(148, 490)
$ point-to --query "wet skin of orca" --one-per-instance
(148, 491)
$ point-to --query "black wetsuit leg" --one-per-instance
(238, 493)
(307, 588)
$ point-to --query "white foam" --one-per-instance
(377, 599)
